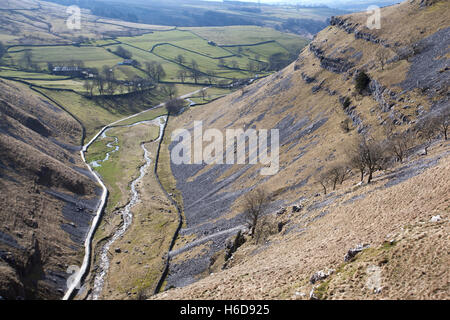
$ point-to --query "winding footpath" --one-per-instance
(77, 279)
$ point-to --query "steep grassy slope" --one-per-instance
(47, 197)
(306, 103)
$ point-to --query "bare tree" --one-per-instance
(174, 106)
(252, 66)
(255, 204)
(123, 53)
(155, 71)
(265, 227)
(27, 59)
(426, 131)
(342, 171)
(443, 122)
(160, 73)
(367, 156)
(121, 87)
(89, 85)
(180, 59)
(203, 93)
(356, 161)
(382, 56)
(100, 83)
(210, 75)
(398, 143)
(110, 80)
(137, 84)
(335, 174)
(182, 74)
(195, 72)
(169, 90)
(323, 178)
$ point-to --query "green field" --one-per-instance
(183, 39)
(92, 115)
(242, 44)
(227, 58)
(92, 57)
(15, 73)
(145, 116)
(210, 94)
(244, 35)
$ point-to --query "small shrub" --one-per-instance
(346, 103)
(345, 125)
(362, 82)
(255, 203)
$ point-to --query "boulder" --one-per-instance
(233, 244)
(312, 295)
(436, 218)
(354, 251)
(320, 275)
(281, 225)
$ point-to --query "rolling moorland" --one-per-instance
(181, 231)
(302, 20)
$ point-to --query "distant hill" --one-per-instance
(206, 14)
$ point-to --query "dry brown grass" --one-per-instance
(416, 267)
(291, 259)
(27, 212)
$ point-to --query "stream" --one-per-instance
(77, 282)
(127, 215)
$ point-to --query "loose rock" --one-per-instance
(354, 251)
(320, 275)
(436, 218)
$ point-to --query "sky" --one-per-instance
(328, 2)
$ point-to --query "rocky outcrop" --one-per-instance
(354, 251)
(353, 28)
(233, 244)
(351, 112)
(320, 275)
(387, 100)
(307, 78)
(426, 3)
(336, 65)
(379, 93)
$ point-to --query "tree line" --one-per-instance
(367, 155)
